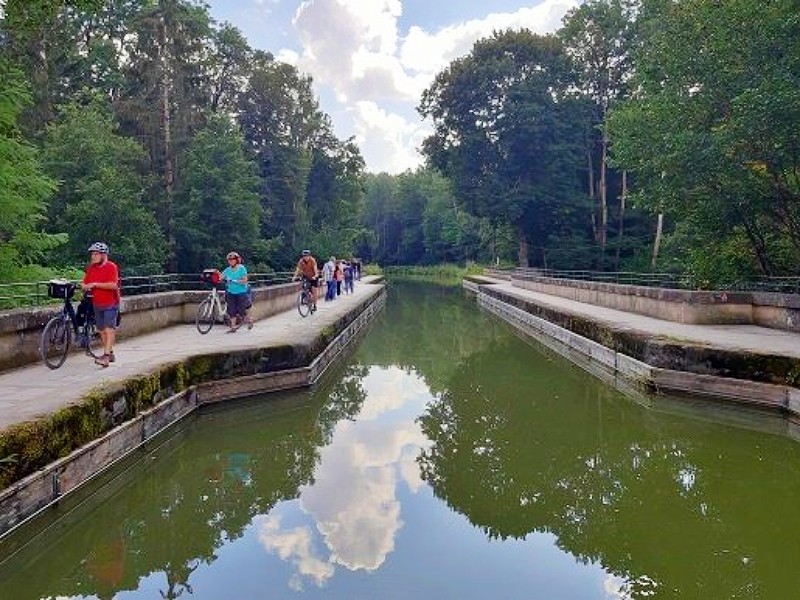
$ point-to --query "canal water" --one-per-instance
(446, 459)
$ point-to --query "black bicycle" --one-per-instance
(306, 301)
(59, 332)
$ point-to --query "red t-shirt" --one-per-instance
(106, 272)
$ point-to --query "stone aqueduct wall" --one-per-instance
(20, 330)
(777, 311)
(60, 452)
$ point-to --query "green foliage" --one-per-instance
(508, 134)
(219, 209)
(103, 181)
(712, 136)
(24, 187)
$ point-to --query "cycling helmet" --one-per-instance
(98, 247)
(306, 252)
(233, 255)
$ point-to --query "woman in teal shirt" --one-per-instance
(237, 293)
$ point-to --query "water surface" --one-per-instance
(447, 458)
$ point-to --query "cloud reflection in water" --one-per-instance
(353, 500)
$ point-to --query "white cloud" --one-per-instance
(353, 500)
(355, 49)
(295, 545)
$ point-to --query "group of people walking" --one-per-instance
(102, 279)
(338, 276)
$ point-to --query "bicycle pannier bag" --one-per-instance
(60, 288)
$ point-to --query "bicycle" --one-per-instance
(306, 302)
(58, 332)
(214, 306)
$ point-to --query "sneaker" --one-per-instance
(249, 322)
(102, 361)
(111, 357)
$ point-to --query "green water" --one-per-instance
(446, 459)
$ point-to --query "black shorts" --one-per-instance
(238, 304)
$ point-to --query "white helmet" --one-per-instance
(99, 247)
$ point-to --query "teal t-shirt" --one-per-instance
(230, 275)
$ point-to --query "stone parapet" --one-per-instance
(20, 330)
(66, 449)
(698, 307)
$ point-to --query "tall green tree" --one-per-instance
(711, 134)
(103, 177)
(219, 209)
(24, 187)
(507, 133)
(598, 37)
(280, 118)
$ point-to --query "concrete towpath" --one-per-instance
(734, 338)
(35, 391)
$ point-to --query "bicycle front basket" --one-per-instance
(60, 288)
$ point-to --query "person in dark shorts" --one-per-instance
(308, 270)
(237, 293)
(102, 280)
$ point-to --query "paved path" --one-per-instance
(35, 390)
(743, 338)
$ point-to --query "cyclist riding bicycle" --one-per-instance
(307, 269)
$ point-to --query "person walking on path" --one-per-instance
(307, 269)
(348, 277)
(338, 275)
(102, 281)
(237, 292)
(328, 274)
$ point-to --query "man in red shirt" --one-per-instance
(102, 279)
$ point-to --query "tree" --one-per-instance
(507, 134)
(219, 208)
(103, 182)
(166, 94)
(711, 133)
(280, 117)
(598, 37)
(24, 187)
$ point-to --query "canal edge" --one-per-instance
(627, 370)
(23, 500)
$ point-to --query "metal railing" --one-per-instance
(780, 285)
(18, 295)
(666, 280)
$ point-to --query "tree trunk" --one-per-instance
(620, 233)
(603, 229)
(169, 174)
(592, 193)
(523, 249)
(657, 244)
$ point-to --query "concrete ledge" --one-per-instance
(20, 330)
(153, 402)
(663, 353)
(778, 311)
(781, 398)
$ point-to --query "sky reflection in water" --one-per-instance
(446, 459)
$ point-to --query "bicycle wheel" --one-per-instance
(91, 341)
(55, 342)
(303, 304)
(206, 316)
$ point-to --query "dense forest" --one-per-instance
(643, 134)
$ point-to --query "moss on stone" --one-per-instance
(35, 444)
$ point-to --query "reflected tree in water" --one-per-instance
(203, 492)
(520, 448)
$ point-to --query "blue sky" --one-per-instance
(371, 59)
